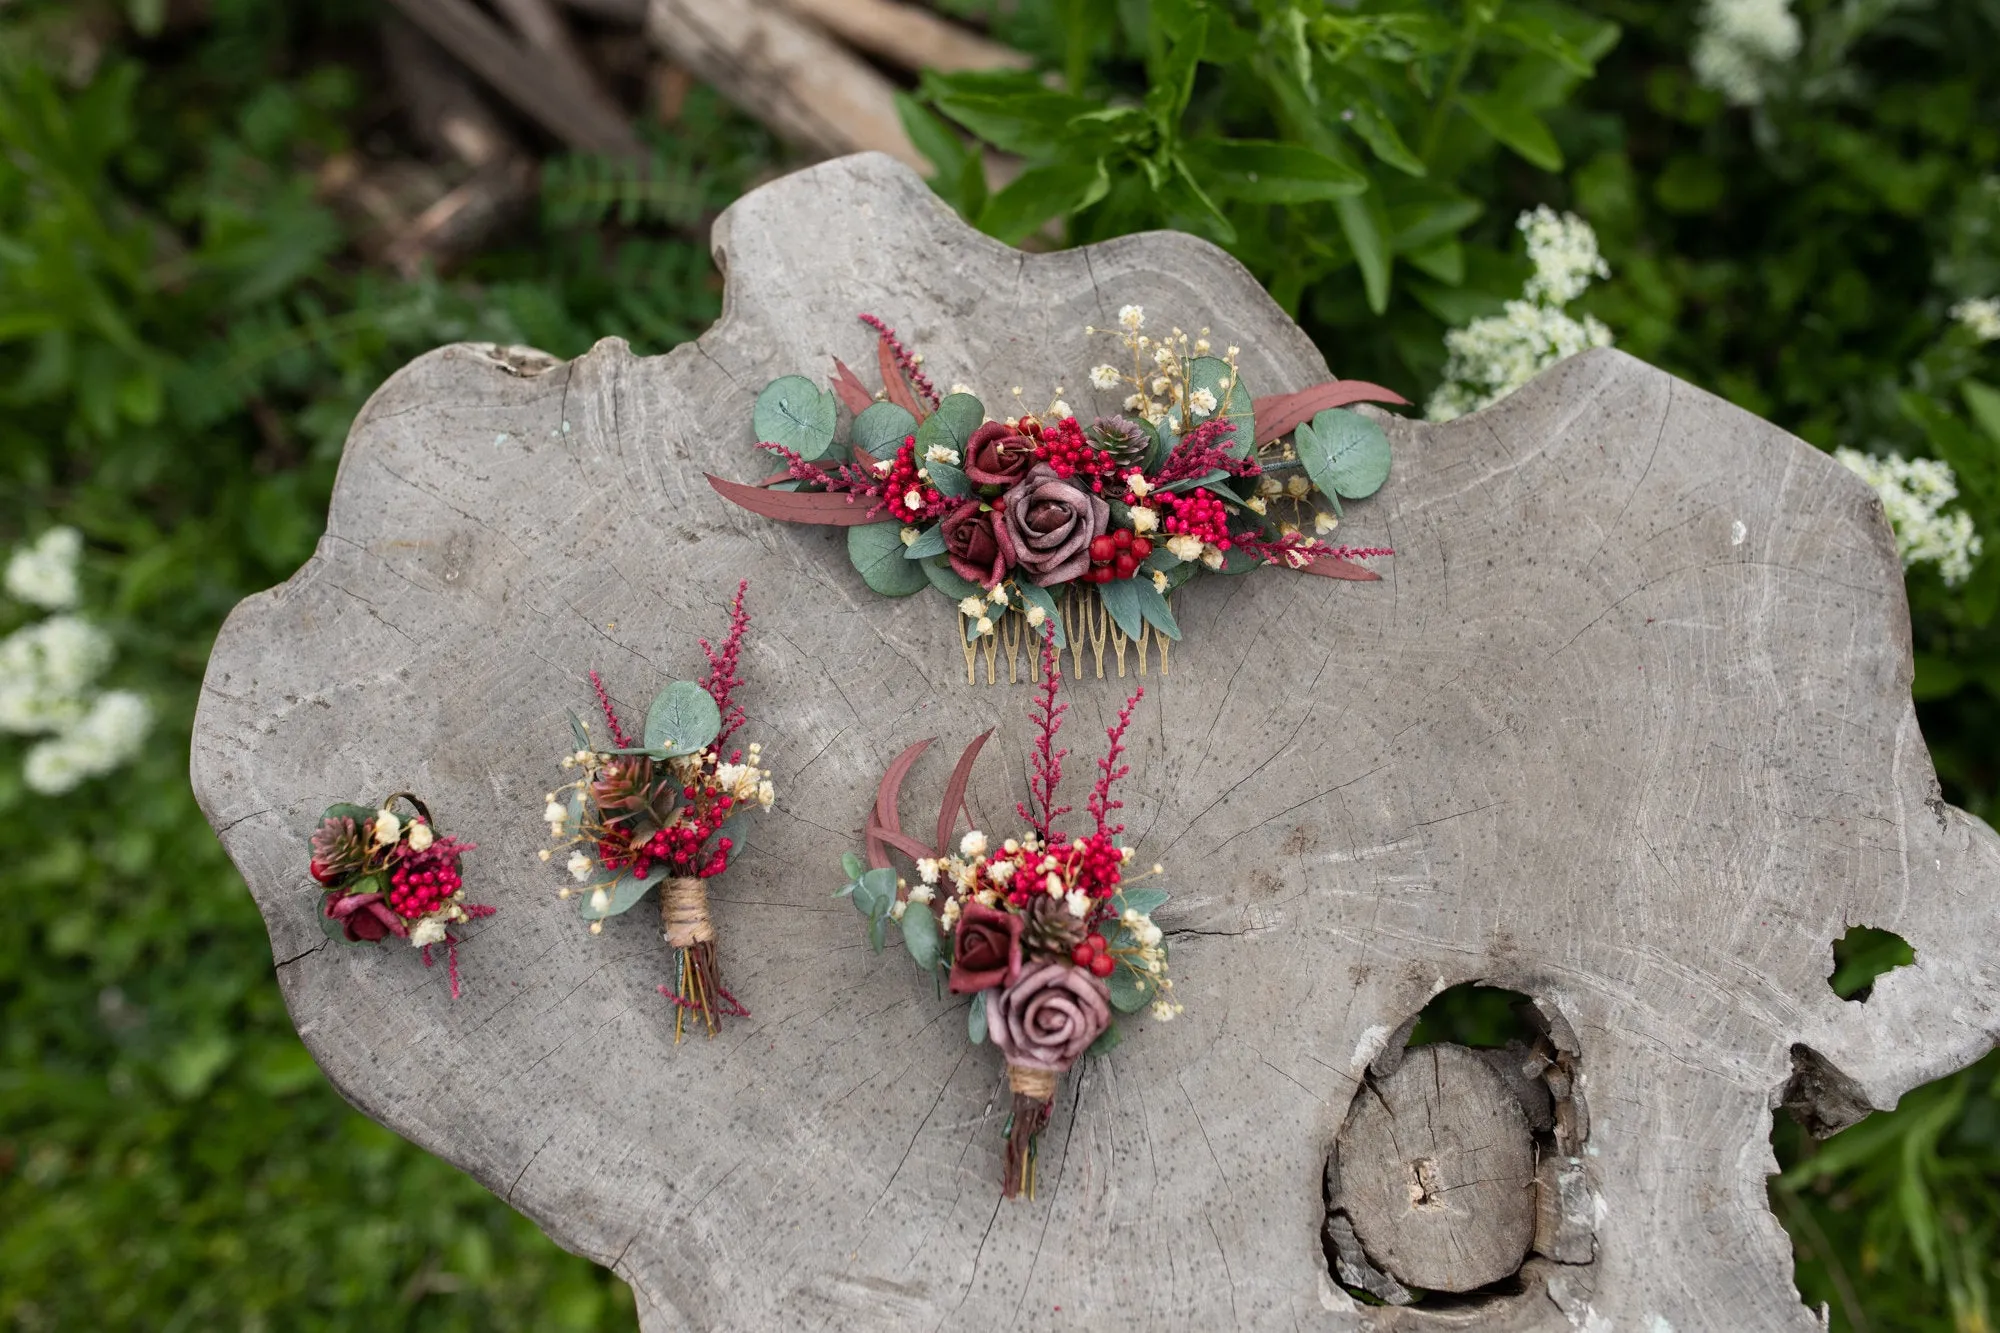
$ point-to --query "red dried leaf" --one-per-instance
(775, 478)
(899, 390)
(847, 387)
(1332, 567)
(1284, 411)
(887, 821)
(902, 842)
(798, 506)
(954, 792)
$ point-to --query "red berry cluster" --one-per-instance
(1095, 955)
(1195, 514)
(902, 479)
(1099, 865)
(1069, 455)
(423, 881)
(1116, 555)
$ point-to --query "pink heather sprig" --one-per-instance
(1109, 770)
(722, 677)
(1047, 716)
(1199, 454)
(904, 361)
(610, 715)
(473, 911)
(1297, 552)
(849, 479)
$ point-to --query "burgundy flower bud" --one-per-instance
(1049, 1016)
(998, 455)
(1052, 523)
(987, 952)
(977, 543)
(366, 917)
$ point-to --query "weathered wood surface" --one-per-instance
(1626, 726)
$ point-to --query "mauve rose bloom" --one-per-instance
(998, 455)
(977, 544)
(1052, 523)
(366, 917)
(1049, 1016)
(988, 951)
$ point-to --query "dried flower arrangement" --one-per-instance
(1044, 931)
(658, 810)
(383, 874)
(1003, 516)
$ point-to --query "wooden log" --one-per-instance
(1437, 1172)
(906, 35)
(1626, 727)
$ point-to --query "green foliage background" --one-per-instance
(188, 329)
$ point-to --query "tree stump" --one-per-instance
(1625, 727)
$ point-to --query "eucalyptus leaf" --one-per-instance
(952, 424)
(576, 731)
(1344, 453)
(682, 720)
(975, 1019)
(626, 891)
(947, 580)
(1128, 992)
(948, 479)
(1107, 1041)
(1232, 401)
(873, 891)
(1154, 607)
(852, 864)
(1042, 597)
(1121, 599)
(929, 542)
(881, 429)
(920, 935)
(1143, 901)
(798, 414)
(877, 551)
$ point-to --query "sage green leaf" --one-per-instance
(1107, 1041)
(1143, 901)
(798, 414)
(682, 720)
(576, 731)
(852, 864)
(929, 542)
(626, 891)
(948, 479)
(946, 579)
(1128, 991)
(1045, 599)
(920, 935)
(975, 1019)
(1344, 453)
(1121, 599)
(873, 891)
(360, 814)
(877, 551)
(881, 429)
(1154, 607)
(1232, 400)
(952, 424)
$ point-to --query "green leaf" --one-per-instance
(798, 414)
(873, 891)
(1121, 599)
(1128, 992)
(1042, 597)
(877, 551)
(975, 1019)
(577, 733)
(852, 864)
(1983, 401)
(1010, 109)
(1515, 126)
(1232, 400)
(929, 542)
(1107, 1041)
(960, 178)
(949, 480)
(1344, 453)
(1143, 901)
(1053, 189)
(1364, 220)
(360, 814)
(1263, 172)
(952, 424)
(946, 579)
(1380, 134)
(881, 429)
(920, 936)
(682, 720)
(1154, 607)
(626, 891)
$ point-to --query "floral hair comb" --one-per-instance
(657, 812)
(1044, 931)
(385, 875)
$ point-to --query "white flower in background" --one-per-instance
(46, 673)
(108, 735)
(44, 574)
(1491, 357)
(1741, 44)
(1914, 494)
(1132, 317)
(1979, 314)
(1104, 377)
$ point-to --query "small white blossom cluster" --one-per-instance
(1980, 316)
(979, 611)
(1914, 494)
(1491, 357)
(1742, 44)
(1159, 374)
(49, 671)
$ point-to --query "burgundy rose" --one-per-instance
(1052, 523)
(366, 917)
(1049, 1016)
(998, 455)
(977, 543)
(988, 951)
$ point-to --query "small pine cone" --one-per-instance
(1124, 439)
(338, 849)
(626, 783)
(1050, 929)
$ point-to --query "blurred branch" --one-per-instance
(914, 38)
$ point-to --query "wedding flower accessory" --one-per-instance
(1038, 519)
(657, 812)
(385, 873)
(1043, 930)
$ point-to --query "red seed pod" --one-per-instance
(1101, 965)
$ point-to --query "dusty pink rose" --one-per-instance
(986, 951)
(1049, 1016)
(998, 455)
(1052, 523)
(977, 544)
